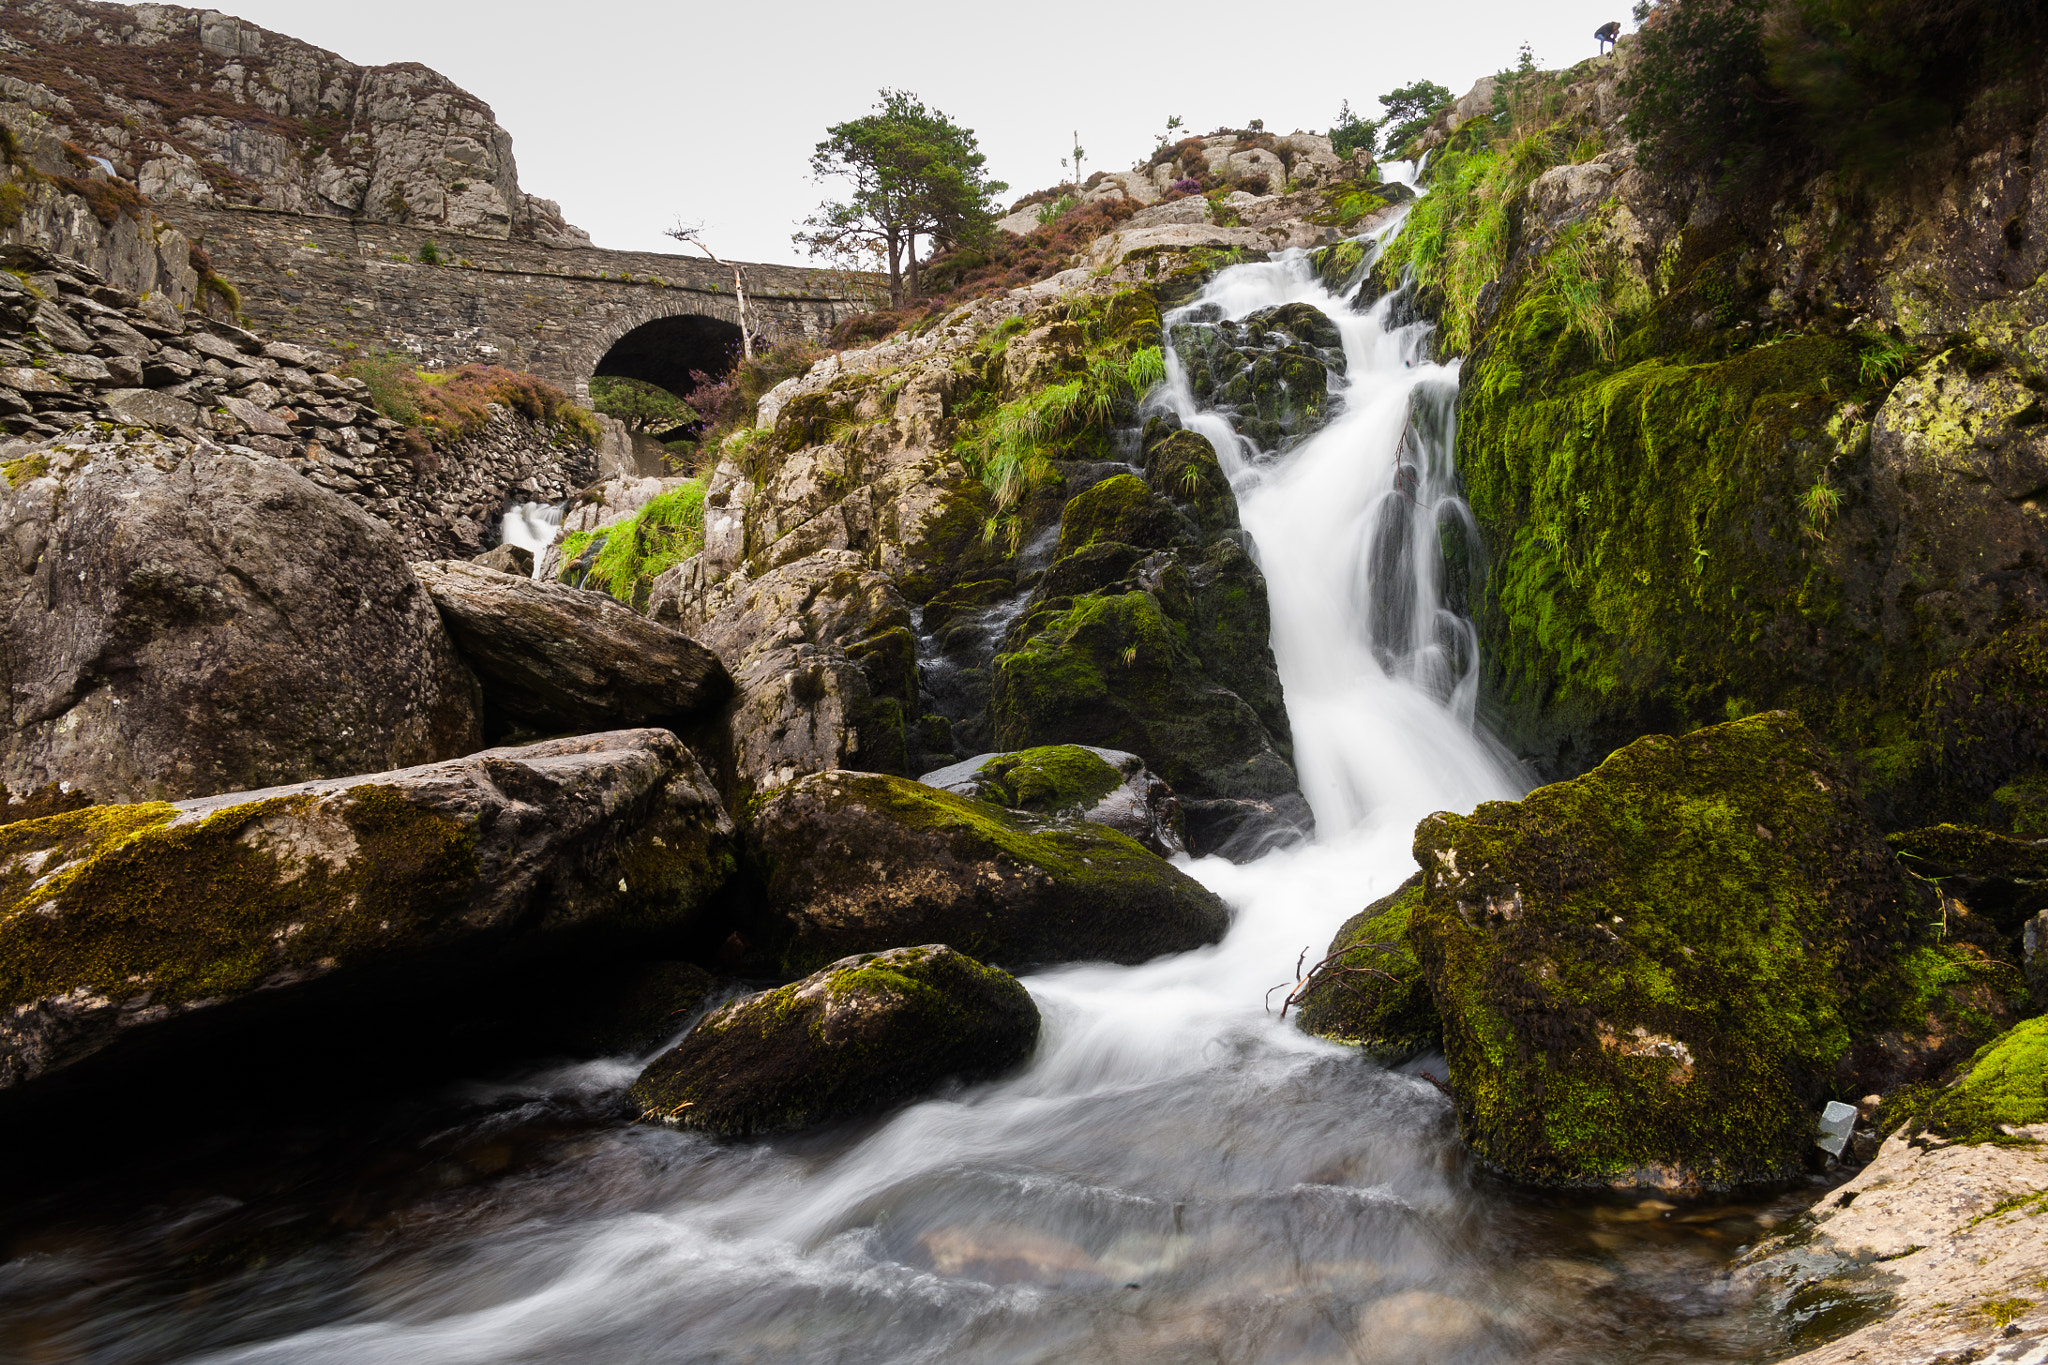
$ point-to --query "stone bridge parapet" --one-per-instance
(344, 286)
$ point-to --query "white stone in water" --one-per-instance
(1837, 1121)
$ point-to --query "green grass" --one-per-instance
(661, 535)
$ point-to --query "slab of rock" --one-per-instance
(512, 559)
(555, 658)
(1934, 1252)
(861, 1034)
(1075, 782)
(179, 623)
(858, 862)
(1654, 974)
(256, 418)
(117, 919)
(147, 407)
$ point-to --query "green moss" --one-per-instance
(1369, 990)
(662, 534)
(2006, 1086)
(26, 468)
(1050, 780)
(1653, 971)
(118, 901)
(1123, 509)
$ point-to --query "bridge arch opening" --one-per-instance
(667, 351)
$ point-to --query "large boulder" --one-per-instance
(1270, 370)
(858, 862)
(1075, 782)
(119, 919)
(184, 621)
(1655, 973)
(554, 658)
(858, 1035)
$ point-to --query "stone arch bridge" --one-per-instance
(563, 313)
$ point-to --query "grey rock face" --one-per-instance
(861, 1034)
(1075, 781)
(126, 917)
(822, 656)
(555, 658)
(512, 559)
(180, 622)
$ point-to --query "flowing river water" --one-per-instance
(1177, 1176)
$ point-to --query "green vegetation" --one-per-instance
(634, 552)
(1370, 991)
(429, 253)
(1051, 780)
(1410, 108)
(914, 173)
(447, 407)
(2005, 1087)
(640, 405)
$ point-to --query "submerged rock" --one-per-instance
(553, 658)
(1654, 974)
(117, 919)
(180, 622)
(861, 1034)
(1369, 989)
(1073, 781)
(856, 862)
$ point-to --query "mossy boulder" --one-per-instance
(1271, 370)
(1074, 782)
(857, 862)
(1122, 510)
(861, 1034)
(1184, 467)
(1369, 990)
(1654, 973)
(117, 919)
(2004, 1088)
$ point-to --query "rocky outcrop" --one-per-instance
(192, 104)
(821, 656)
(1072, 781)
(119, 919)
(552, 658)
(1934, 1250)
(861, 1034)
(1654, 974)
(857, 862)
(1369, 990)
(1270, 371)
(182, 620)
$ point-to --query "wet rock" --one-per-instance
(554, 658)
(115, 920)
(1144, 638)
(1653, 974)
(861, 1034)
(1271, 370)
(1369, 989)
(1072, 781)
(1934, 1250)
(858, 861)
(180, 622)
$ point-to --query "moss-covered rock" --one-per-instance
(1074, 782)
(856, 862)
(1271, 370)
(1369, 990)
(1184, 468)
(2004, 1087)
(116, 919)
(1652, 974)
(1998, 876)
(861, 1034)
(1121, 510)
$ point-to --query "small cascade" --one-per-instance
(532, 526)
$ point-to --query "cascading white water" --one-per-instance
(532, 526)
(1178, 1175)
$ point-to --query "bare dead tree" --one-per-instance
(692, 234)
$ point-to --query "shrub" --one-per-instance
(430, 254)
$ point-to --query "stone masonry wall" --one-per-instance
(552, 311)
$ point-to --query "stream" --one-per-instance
(1177, 1176)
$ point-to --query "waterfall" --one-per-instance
(1178, 1175)
(532, 526)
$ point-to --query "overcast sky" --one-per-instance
(633, 114)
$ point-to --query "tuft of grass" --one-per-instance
(1820, 503)
(661, 535)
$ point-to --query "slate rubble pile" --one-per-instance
(77, 352)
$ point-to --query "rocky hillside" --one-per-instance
(1740, 446)
(186, 104)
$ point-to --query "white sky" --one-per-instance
(634, 114)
